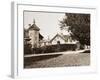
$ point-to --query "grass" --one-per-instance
(32, 60)
(58, 60)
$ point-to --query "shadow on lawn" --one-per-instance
(30, 60)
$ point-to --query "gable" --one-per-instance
(55, 40)
(57, 36)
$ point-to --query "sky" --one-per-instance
(46, 21)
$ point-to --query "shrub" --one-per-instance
(27, 49)
(54, 48)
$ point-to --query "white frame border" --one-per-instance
(17, 71)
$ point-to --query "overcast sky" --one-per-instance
(47, 22)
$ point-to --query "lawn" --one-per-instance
(57, 60)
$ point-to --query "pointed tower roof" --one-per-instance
(33, 26)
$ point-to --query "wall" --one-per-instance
(55, 40)
(34, 35)
(5, 39)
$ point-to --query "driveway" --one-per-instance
(61, 59)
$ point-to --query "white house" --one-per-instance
(62, 39)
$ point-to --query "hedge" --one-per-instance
(27, 49)
(50, 49)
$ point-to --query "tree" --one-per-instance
(79, 25)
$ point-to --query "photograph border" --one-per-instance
(16, 70)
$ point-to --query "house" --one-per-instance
(26, 37)
(62, 39)
(34, 35)
(44, 43)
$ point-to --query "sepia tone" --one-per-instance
(63, 41)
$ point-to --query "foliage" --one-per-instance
(27, 48)
(54, 48)
(79, 25)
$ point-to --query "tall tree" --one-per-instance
(79, 25)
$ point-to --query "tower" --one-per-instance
(34, 34)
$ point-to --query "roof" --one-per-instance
(64, 37)
(34, 27)
(40, 36)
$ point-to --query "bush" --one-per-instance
(81, 46)
(27, 49)
(54, 48)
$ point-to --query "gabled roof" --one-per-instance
(64, 37)
(56, 36)
(34, 27)
(40, 36)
